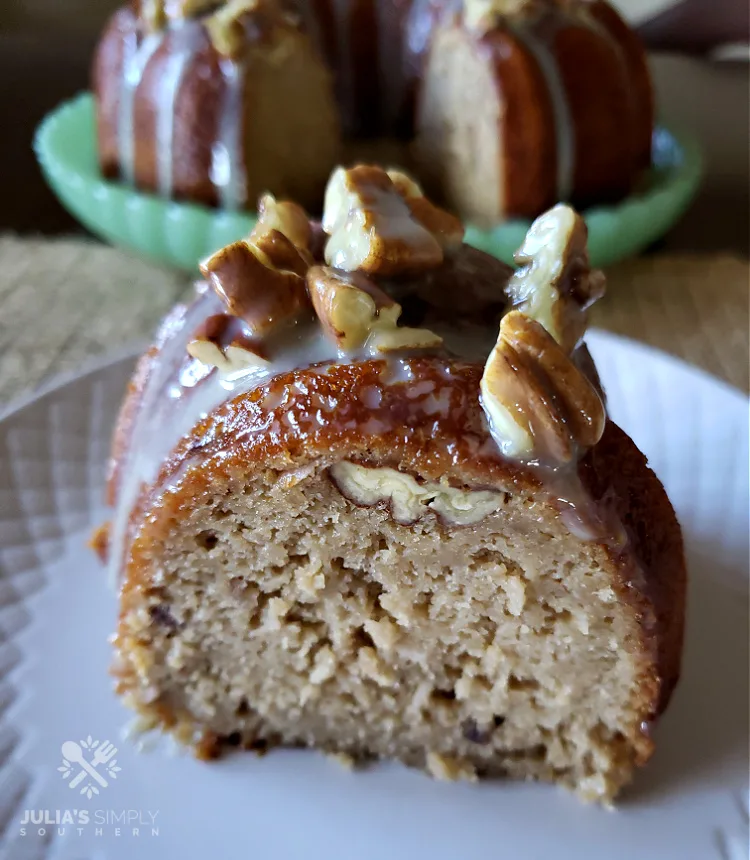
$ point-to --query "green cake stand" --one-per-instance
(181, 234)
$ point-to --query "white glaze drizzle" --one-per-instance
(135, 59)
(390, 218)
(564, 131)
(227, 163)
(152, 418)
(585, 519)
(185, 44)
(180, 392)
(227, 171)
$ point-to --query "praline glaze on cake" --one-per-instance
(500, 478)
(535, 101)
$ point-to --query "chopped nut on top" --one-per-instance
(260, 279)
(225, 27)
(379, 222)
(157, 13)
(231, 353)
(394, 339)
(276, 251)
(483, 15)
(370, 226)
(355, 313)
(406, 186)
(232, 360)
(348, 305)
(555, 284)
(286, 217)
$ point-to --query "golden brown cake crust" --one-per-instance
(616, 467)
(254, 432)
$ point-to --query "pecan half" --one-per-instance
(538, 403)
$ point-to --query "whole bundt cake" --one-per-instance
(503, 107)
(348, 515)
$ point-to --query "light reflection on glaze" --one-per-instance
(227, 171)
(136, 57)
(397, 371)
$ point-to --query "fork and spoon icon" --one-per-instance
(74, 754)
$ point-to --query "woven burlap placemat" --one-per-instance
(65, 301)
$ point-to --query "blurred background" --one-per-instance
(66, 300)
(699, 60)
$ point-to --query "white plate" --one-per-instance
(56, 612)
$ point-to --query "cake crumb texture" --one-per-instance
(267, 612)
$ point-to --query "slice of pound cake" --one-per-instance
(349, 515)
